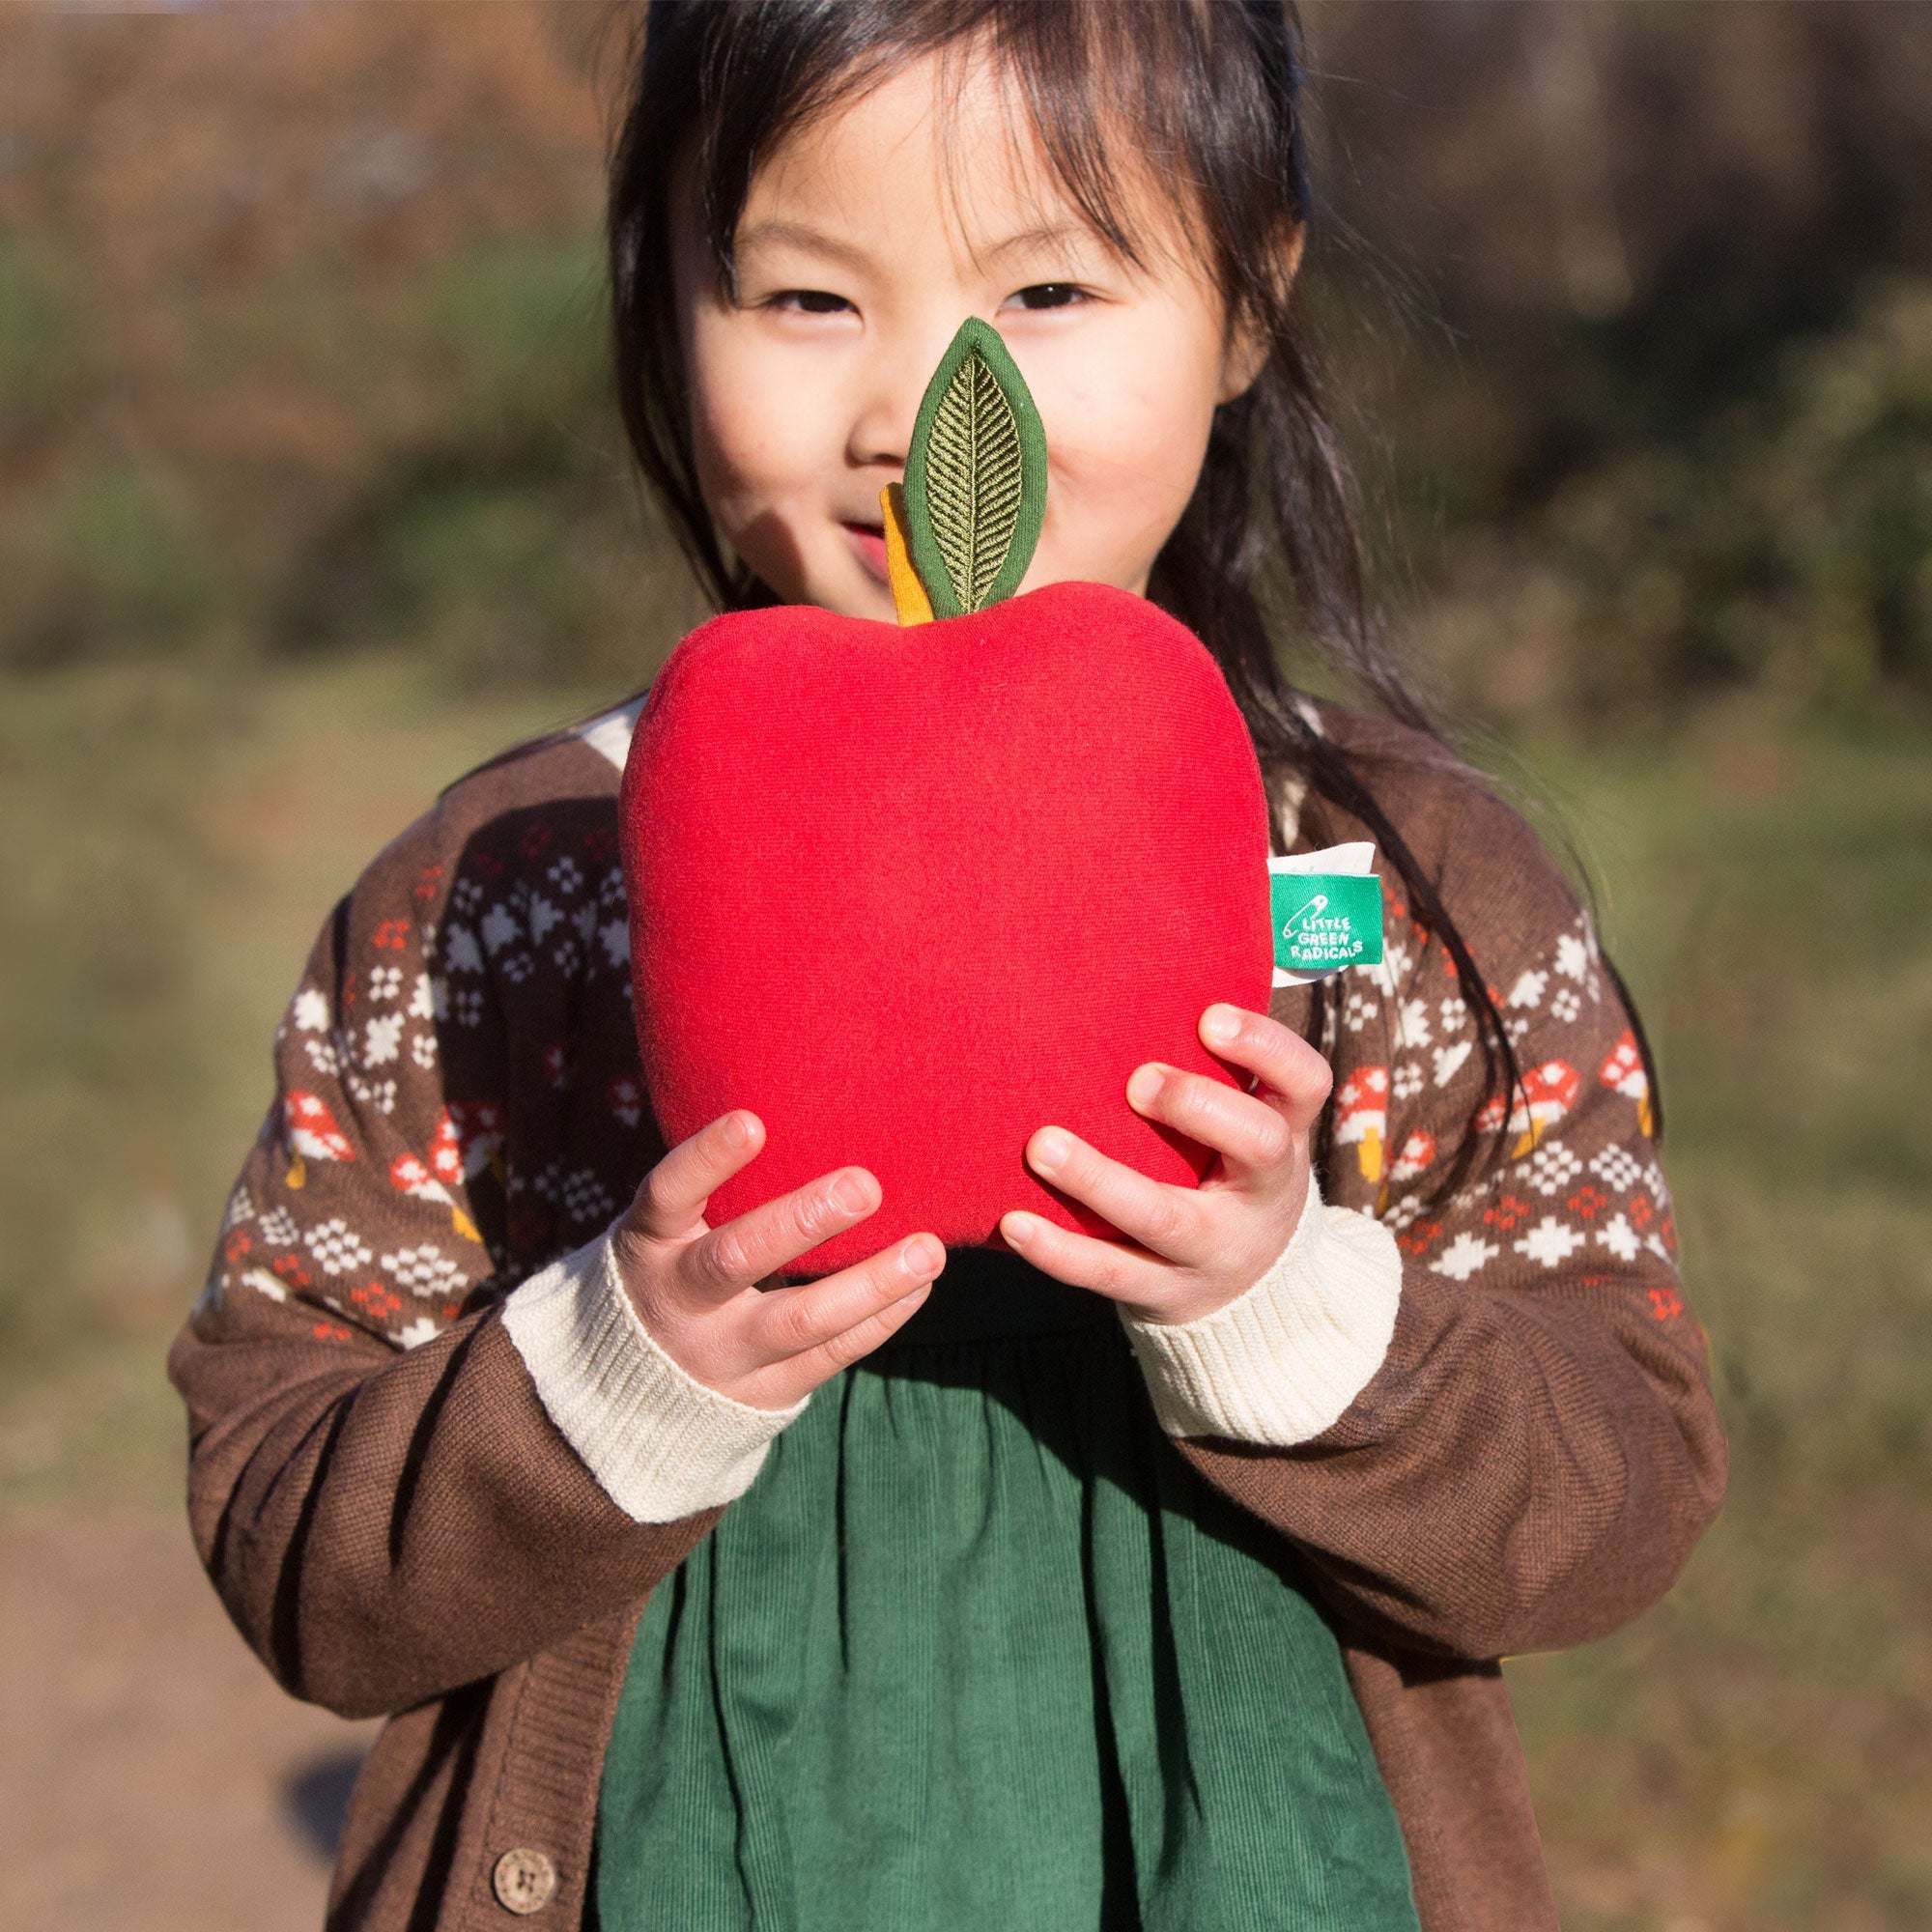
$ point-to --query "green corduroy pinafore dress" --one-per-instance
(979, 1652)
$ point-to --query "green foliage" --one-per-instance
(976, 475)
(1789, 539)
(1784, 542)
(40, 360)
(515, 343)
(489, 581)
(452, 481)
(148, 576)
(503, 540)
(110, 564)
(494, 580)
(103, 551)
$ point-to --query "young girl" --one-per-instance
(1151, 1583)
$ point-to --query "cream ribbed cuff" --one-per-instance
(1280, 1364)
(659, 1442)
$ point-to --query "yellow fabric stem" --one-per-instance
(909, 598)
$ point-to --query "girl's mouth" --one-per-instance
(869, 546)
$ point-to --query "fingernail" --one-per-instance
(1050, 1149)
(1219, 1025)
(923, 1256)
(737, 1130)
(1017, 1227)
(1144, 1087)
(851, 1194)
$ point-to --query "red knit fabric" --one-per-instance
(910, 895)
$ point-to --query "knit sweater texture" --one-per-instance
(436, 1467)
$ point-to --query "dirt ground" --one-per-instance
(154, 1780)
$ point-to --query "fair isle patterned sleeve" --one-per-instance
(1536, 1450)
(355, 1206)
(376, 1483)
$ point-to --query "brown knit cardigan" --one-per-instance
(396, 1526)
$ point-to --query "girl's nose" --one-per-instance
(888, 395)
(881, 430)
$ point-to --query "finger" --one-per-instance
(1249, 1132)
(1167, 1220)
(767, 1239)
(821, 1364)
(1081, 1262)
(671, 1200)
(790, 1321)
(1285, 1062)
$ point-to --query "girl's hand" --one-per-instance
(1198, 1247)
(695, 1286)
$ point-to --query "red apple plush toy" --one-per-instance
(910, 891)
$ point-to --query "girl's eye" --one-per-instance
(1050, 294)
(810, 301)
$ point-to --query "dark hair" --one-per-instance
(1214, 87)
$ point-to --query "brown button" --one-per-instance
(525, 1881)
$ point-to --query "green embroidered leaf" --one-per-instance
(976, 475)
(973, 479)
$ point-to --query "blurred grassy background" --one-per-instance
(310, 497)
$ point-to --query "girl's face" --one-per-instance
(856, 266)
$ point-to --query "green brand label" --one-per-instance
(1325, 920)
